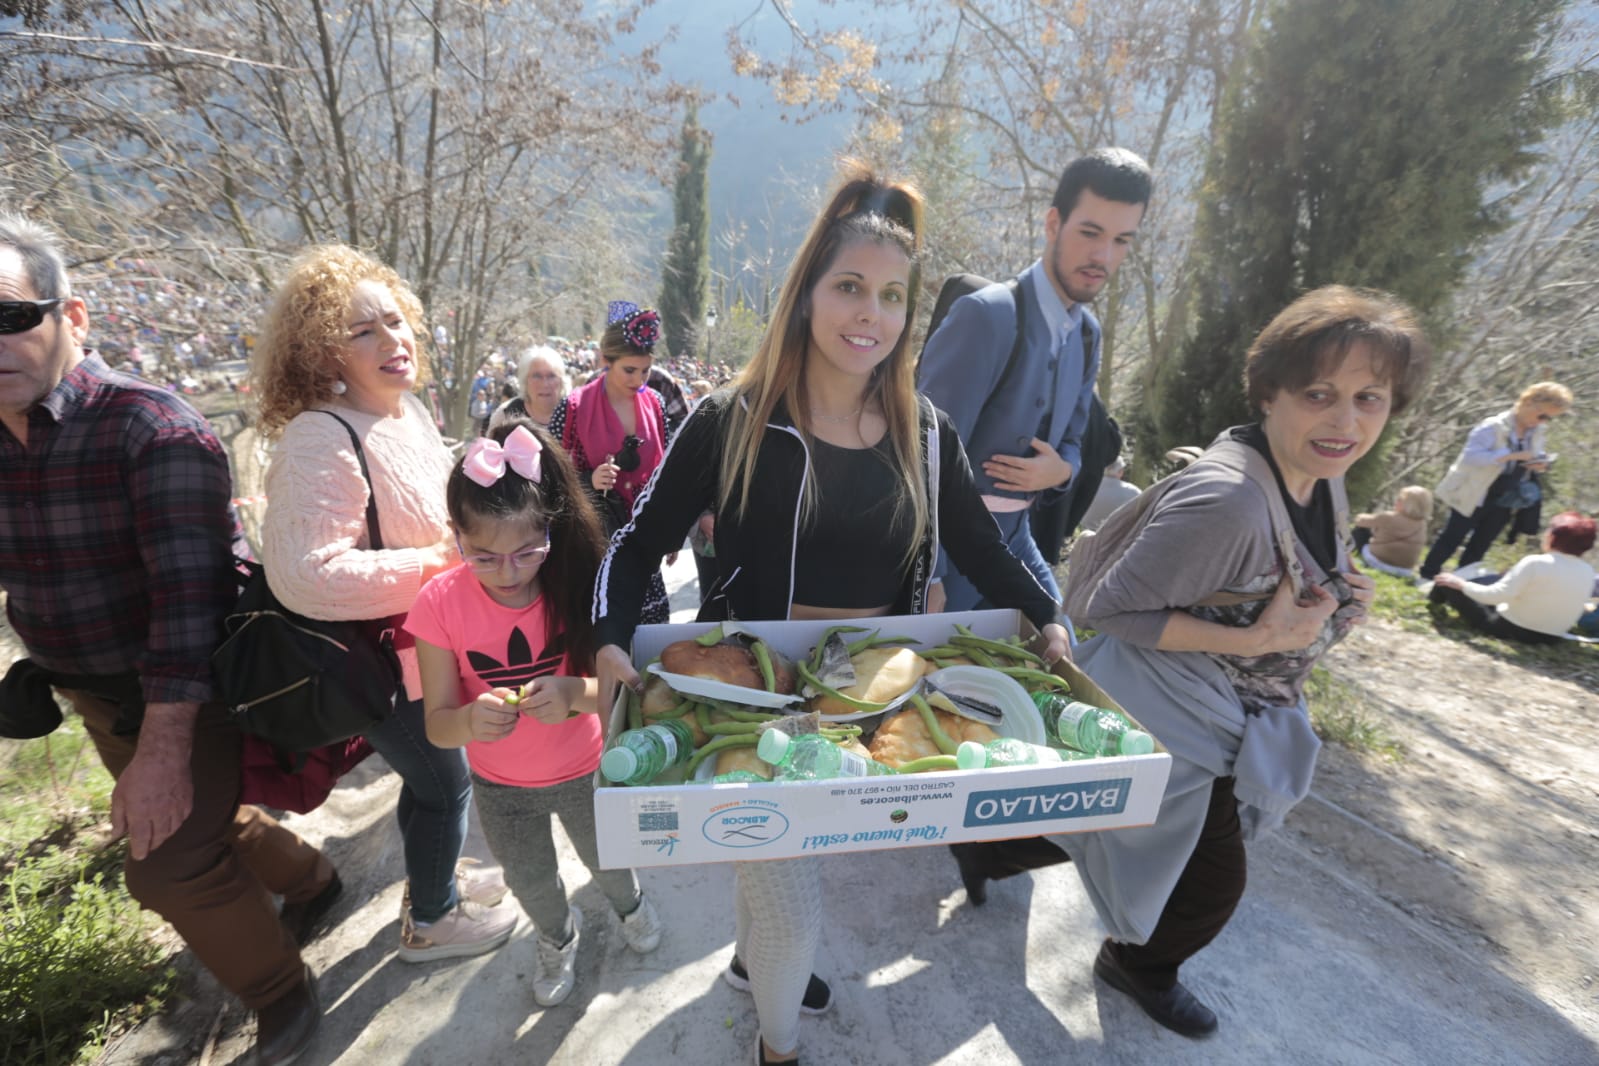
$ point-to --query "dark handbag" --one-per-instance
(303, 683)
(1522, 494)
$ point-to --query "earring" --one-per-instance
(338, 387)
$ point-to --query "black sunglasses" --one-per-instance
(19, 316)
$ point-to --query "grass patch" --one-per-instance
(1340, 712)
(77, 962)
(1399, 602)
(48, 781)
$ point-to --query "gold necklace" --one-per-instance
(837, 420)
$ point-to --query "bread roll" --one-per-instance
(727, 663)
(881, 674)
(903, 737)
(730, 759)
(658, 697)
(731, 664)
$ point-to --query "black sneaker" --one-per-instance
(818, 998)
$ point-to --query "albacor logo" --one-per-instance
(745, 826)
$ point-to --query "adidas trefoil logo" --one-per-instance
(519, 667)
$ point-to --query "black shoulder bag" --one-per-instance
(302, 683)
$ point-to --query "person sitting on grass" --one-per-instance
(1541, 597)
(1394, 540)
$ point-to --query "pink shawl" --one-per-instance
(594, 425)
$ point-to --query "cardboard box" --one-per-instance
(670, 825)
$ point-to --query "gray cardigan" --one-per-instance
(1217, 715)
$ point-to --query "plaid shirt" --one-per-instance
(115, 533)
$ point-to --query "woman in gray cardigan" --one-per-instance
(1211, 646)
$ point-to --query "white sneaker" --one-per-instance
(557, 966)
(642, 928)
(469, 929)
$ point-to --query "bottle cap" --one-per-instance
(971, 755)
(773, 745)
(1137, 742)
(618, 764)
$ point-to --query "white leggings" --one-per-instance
(779, 907)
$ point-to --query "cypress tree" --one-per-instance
(687, 267)
(1360, 147)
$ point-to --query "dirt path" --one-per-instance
(1488, 828)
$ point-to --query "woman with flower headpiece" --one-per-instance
(615, 428)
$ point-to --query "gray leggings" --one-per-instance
(516, 822)
(779, 910)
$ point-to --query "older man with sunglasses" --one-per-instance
(115, 554)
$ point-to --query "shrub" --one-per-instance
(75, 955)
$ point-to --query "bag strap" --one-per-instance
(374, 534)
(1014, 285)
(1258, 470)
(1094, 552)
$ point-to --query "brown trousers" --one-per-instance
(214, 878)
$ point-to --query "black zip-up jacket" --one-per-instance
(755, 551)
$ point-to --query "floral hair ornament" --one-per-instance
(486, 460)
(641, 327)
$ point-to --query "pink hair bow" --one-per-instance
(486, 459)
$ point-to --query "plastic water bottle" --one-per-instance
(739, 777)
(813, 758)
(1096, 730)
(641, 755)
(1006, 751)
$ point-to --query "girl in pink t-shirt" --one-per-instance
(504, 644)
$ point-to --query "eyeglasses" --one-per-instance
(490, 562)
(19, 316)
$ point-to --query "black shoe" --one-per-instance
(968, 858)
(306, 921)
(284, 1027)
(762, 1060)
(1176, 1008)
(818, 998)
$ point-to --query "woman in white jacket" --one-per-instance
(1540, 598)
(1501, 453)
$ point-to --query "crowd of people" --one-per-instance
(833, 477)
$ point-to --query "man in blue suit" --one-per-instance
(1022, 421)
